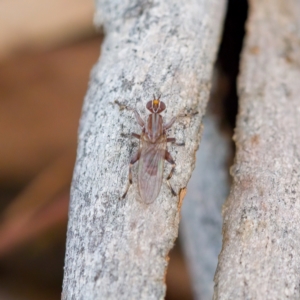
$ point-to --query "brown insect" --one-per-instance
(152, 152)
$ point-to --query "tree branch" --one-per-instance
(119, 249)
(260, 253)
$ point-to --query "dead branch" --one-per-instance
(119, 249)
(261, 252)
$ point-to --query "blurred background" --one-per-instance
(47, 49)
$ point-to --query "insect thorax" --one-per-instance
(154, 127)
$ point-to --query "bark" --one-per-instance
(260, 257)
(201, 226)
(119, 249)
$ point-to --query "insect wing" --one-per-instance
(151, 168)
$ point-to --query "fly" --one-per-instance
(152, 152)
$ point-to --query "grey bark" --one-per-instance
(119, 249)
(201, 225)
(260, 257)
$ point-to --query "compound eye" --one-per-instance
(162, 107)
(149, 106)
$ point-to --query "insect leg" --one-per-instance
(138, 118)
(138, 136)
(133, 160)
(173, 140)
(169, 159)
(136, 114)
(172, 121)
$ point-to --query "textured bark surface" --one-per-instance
(201, 224)
(260, 258)
(119, 249)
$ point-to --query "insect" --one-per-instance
(152, 152)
